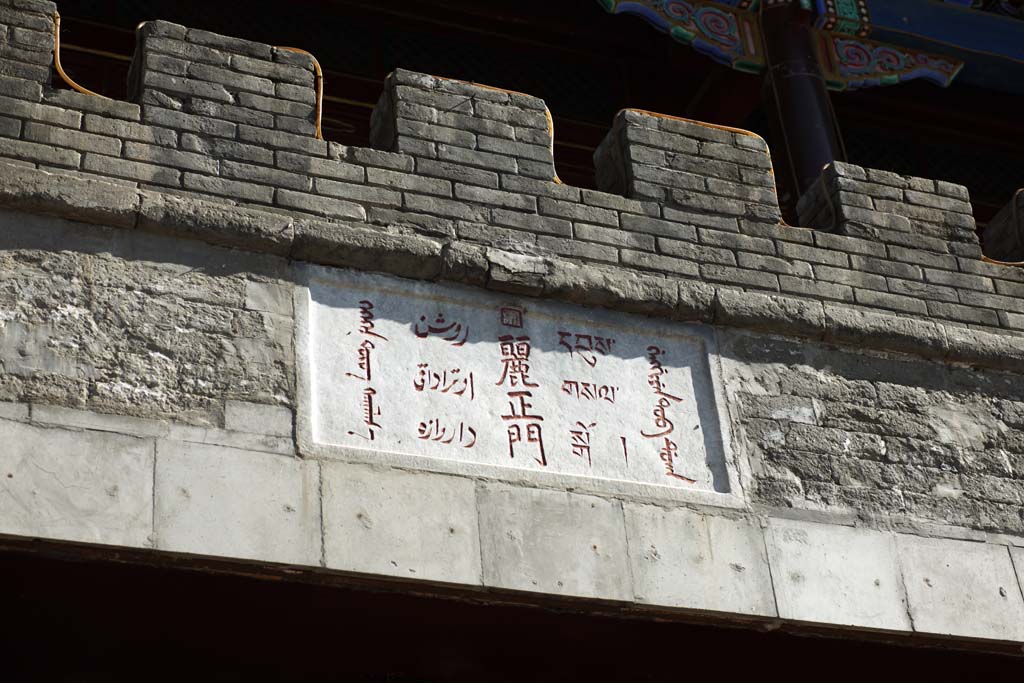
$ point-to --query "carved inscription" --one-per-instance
(439, 372)
(589, 391)
(364, 362)
(515, 372)
(453, 331)
(663, 424)
(585, 346)
(436, 430)
(451, 381)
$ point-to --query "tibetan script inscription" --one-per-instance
(448, 373)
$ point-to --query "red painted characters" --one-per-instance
(586, 346)
(523, 426)
(663, 425)
(364, 362)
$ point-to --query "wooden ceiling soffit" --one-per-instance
(727, 32)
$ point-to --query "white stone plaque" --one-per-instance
(457, 374)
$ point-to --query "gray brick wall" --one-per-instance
(214, 119)
(882, 206)
(726, 242)
(138, 324)
(219, 82)
(686, 164)
(463, 124)
(892, 441)
(26, 48)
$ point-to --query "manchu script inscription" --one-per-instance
(446, 372)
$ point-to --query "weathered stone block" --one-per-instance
(838, 575)
(81, 486)
(961, 588)
(396, 523)
(347, 245)
(258, 418)
(553, 542)
(754, 310)
(269, 297)
(857, 326)
(220, 501)
(75, 198)
(680, 558)
(246, 441)
(596, 286)
(216, 223)
(101, 422)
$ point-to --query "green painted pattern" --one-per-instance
(847, 9)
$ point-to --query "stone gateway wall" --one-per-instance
(677, 401)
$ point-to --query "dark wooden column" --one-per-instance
(797, 98)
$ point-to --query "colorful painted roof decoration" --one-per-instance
(861, 43)
(728, 35)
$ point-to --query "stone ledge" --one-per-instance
(262, 436)
(399, 251)
(81, 199)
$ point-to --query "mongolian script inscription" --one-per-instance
(443, 372)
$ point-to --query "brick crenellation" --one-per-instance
(231, 121)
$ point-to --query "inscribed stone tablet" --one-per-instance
(446, 372)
